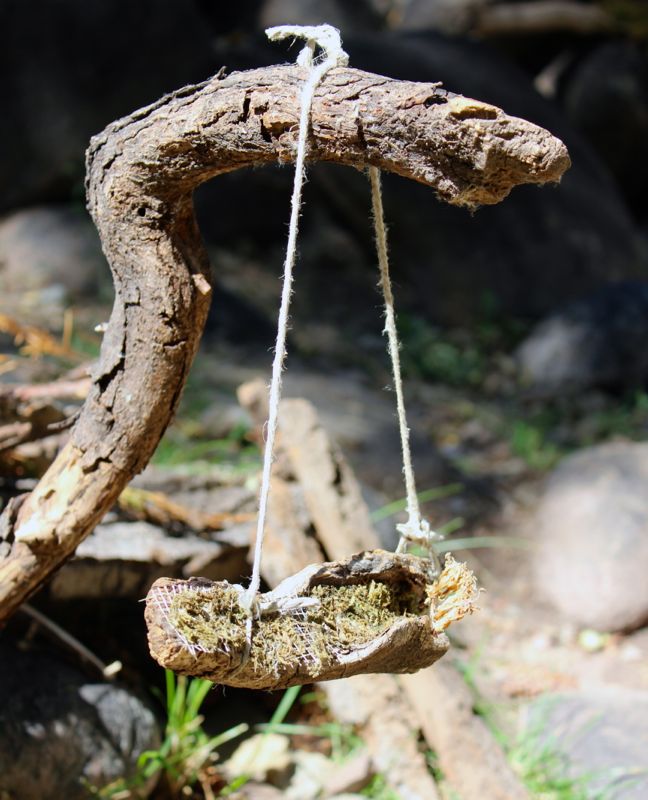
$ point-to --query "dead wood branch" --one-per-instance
(439, 700)
(25, 420)
(331, 494)
(545, 16)
(141, 173)
(160, 509)
(443, 706)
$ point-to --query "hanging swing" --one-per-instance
(372, 612)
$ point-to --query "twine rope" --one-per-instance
(415, 529)
(328, 40)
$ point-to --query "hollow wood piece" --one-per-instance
(141, 173)
(409, 644)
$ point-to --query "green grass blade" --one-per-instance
(477, 542)
(436, 493)
(216, 741)
(285, 704)
(170, 680)
(198, 691)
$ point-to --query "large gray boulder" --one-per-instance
(346, 16)
(51, 247)
(592, 537)
(606, 98)
(598, 738)
(61, 732)
(597, 341)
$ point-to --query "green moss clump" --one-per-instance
(346, 618)
(354, 615)
(210, 620)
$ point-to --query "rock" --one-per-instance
(602, 736)
(122, 559)
(353, 775)
(606, 99)
(309, 778)
(597, 341)
(53, 248)
(60, 732)
(264, 757)
(234, 319)
(347, 796)
(448, 16)
(253, 790)
(222, 418)
(212, 489)
(363, 422)
(591, 529)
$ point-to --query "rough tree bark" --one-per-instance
(141, 172)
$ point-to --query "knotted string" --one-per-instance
(328, 40)
(415, 529)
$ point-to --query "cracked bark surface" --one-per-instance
(141, 172)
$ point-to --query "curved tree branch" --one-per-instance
(141, 172)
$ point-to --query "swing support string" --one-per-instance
(328, 40)
(415, 529)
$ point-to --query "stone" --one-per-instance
(363, 422)
(253, 790)
(122, 559)
(602, 736)
(353, 775)
(265, 757)
(591, 529)
(61, 733)
(51, 247)
(311, 773)
(597, 341)
(358, 15)
(449, 16)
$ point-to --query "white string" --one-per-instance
(415, 529)
(328, 39)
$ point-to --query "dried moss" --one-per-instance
(210, 620)
(357, 614)
(453, 595)
(346, 618)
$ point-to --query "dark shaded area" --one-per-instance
(94, 731)
(70, 68)
(598, 340)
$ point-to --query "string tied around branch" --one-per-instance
(372, 612)
(328, 40)
(415, 530)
